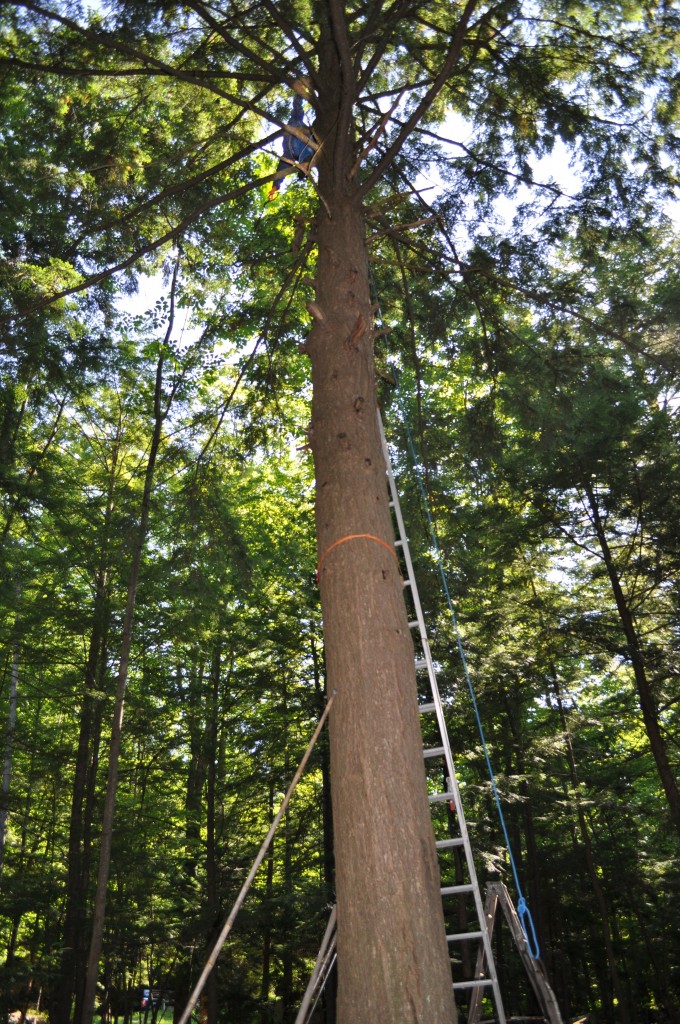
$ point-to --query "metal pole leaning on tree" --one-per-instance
(212, 959)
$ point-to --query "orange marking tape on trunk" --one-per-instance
(355, 536)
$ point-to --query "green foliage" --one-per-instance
(533, 320)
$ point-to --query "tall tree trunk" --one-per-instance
(287, 922)
(74, 953)
(121, 683)
(393, 960)
(76, 882)
(210, 852)
(9, 750)
(265, 984)
(586, 842)
(648, 706)
(5, 1003)
(522, 816)
(197, 768)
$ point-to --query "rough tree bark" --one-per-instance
(393, 961)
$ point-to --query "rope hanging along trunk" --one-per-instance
(226, 928)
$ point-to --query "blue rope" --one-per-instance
(523, 911)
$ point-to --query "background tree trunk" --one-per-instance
(121, 684)
(9, 748)
(619, 1002)
(72, 966)
(74, 947)
(212, 901)
(648, 705)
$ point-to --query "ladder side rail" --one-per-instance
(485, 951)
(441, 722)
(401, 529)
(439, 707)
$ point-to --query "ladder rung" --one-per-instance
(434, 752)
(477, 983)
(431, 702)
(455, 890)
(462, 936)
(447, 844)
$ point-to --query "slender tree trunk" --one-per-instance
(621, 1010)
(73, 957)
(9, 750)
(265, 1011)
(522, 816)
(115, 743)
(5, 1004)
(76, 882)
(648, 706)
(393, 960)
(197, 768)
(210, 852)
(121, 684)
(89, 814)
(287, 1008)
(21, 499)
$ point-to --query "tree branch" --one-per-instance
(64, 71)
(262, 338)
(184, 186)
(348, 86)
(289, 32)
(428, 99)
(126, 50)
(380, 18)
(201, 10)
(144, 250)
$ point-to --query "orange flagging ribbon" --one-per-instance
(354, 536)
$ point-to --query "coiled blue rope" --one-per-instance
(523, 911)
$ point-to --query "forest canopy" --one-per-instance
(477, 229)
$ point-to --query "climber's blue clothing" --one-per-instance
(295, 151)
(293, 147)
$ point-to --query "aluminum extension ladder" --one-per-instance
(484, 977)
